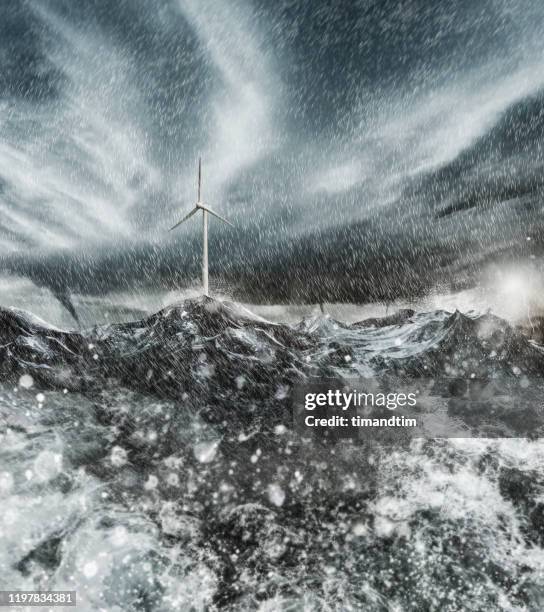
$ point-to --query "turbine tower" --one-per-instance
(205, 210)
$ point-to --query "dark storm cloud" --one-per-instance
(337, 55)
(26, 71)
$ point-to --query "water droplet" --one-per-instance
(276, 494)
(118, 456)
(360, 529)
(206, 451)
(26, 381)
(90, 569)
(151, 483)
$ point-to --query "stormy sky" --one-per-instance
(363, 149)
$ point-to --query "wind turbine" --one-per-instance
(205, 210)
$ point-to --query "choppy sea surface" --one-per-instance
(152, 465)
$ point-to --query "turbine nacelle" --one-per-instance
(204, 208)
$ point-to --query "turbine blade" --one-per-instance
(199, 177)
(216, 215)
(184, 218)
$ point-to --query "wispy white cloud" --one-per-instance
(68, 165)
(244, 101)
